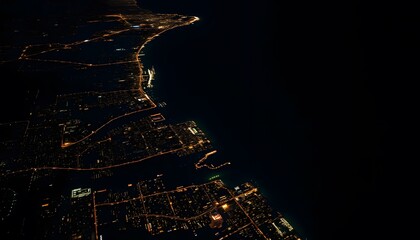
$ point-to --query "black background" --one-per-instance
(348, 68)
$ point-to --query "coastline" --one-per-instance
(138, 59)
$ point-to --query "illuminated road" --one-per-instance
(61, 46)
(103, 168)
(170, 203)
(68, 144)
(80, 63)
(94, 216)
(236, 231)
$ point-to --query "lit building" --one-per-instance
(216, 220)
(80, 192)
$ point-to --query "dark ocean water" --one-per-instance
(208, 72)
